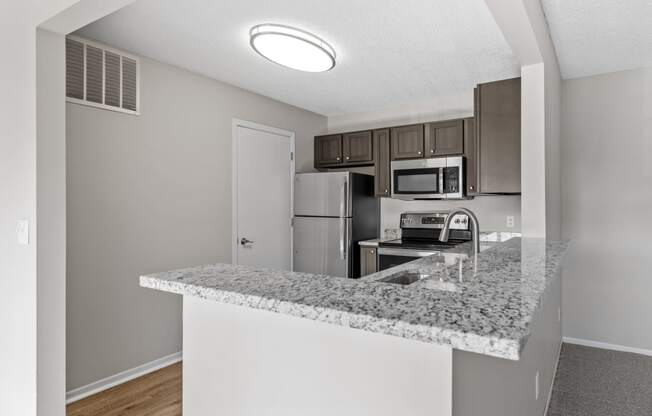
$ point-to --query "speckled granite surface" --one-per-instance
(483, 304)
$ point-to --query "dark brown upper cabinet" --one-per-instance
(498, 137)
(471, 157)
(382, 169)
(358, 147)
(328, 150)
(445, 138)
(407, 142)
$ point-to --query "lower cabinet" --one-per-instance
(368, 260)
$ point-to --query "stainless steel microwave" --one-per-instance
(435, 178)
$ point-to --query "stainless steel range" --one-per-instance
(420, 237)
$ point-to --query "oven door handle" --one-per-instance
(405, 252)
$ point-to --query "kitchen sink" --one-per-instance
(404, 278)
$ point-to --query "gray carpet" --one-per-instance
(596, 382)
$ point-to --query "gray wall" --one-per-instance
(149, 193)
(607, 201)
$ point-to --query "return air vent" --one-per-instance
(101, 77)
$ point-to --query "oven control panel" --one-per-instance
(433, 220)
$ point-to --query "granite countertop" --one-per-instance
(483, 304)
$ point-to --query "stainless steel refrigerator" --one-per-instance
(332, 212)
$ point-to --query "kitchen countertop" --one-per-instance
(484, 304)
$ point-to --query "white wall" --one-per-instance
(21, 387)
(149, 193)
(490, 210)
(607, 201)
(524, 25)
(439, 108)
(51, 213)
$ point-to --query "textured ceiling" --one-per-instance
(389, 53)
(598, 36)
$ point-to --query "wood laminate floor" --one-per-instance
(154, 394)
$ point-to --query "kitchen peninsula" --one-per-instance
(476, 334)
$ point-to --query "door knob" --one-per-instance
(244, 241)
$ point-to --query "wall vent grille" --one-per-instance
(101, 77)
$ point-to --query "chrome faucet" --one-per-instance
(443, 236)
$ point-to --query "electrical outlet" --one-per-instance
(22, 232)
(536, 386)
(510, 221)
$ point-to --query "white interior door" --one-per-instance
(263, 169)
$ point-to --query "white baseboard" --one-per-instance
(554, 375)
(606, 346)
(122, 377)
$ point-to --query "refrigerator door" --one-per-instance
(324, 194)
(322, 245)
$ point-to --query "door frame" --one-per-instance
(235, 124)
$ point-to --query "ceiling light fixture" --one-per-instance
(291, 47)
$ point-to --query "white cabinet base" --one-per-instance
(248, 362)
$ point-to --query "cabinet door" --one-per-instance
(445, 138)
(499, 137)
(407, 142)
(368, 263)
(382, 169)
(328, 150)
(358, 147)
(471, 157)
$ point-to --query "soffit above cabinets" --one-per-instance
(599, 36)
(389, 53)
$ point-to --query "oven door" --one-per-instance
(390, 257)
(418, 179)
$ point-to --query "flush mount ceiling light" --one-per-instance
(291, 47)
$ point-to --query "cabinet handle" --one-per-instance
(470, 188)
(337, 158)
(372, 252)
(432, 150)
(386, 190)
(419, 152)
(347, 158)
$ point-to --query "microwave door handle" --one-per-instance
(441, 180)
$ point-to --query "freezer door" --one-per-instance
(322, 245)
(324, 194)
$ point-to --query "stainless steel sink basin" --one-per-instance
(404, 278)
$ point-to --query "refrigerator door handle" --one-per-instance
(344, 202)
(342, 243)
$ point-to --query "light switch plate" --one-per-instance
(22, 232)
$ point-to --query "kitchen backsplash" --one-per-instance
(492, 211)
